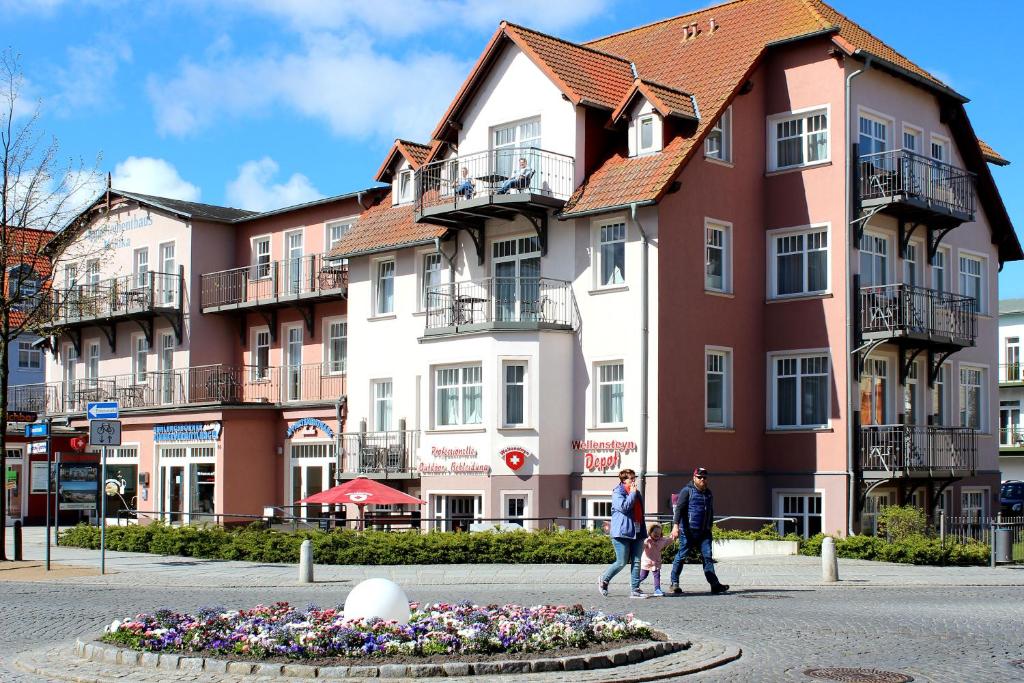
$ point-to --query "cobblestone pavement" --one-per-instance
(932, 624)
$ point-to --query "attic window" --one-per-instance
(405, 187)
(718, 144)
(646, 133)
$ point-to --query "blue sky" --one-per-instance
(265, 103)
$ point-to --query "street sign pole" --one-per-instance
(103, 511)
(49, 484)
(56, 506)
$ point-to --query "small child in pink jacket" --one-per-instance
(650, 562)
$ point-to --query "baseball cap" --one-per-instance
(700, 471)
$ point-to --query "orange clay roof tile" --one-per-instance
(384, 226)
(667, 101)
(992, 156)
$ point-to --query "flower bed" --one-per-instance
(281, 630)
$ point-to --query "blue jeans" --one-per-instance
(627, 550)
(703, 542)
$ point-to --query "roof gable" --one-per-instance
(382, 227)
(413, 152)
(665, 100)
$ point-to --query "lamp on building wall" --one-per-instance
(565, 503)
(280, 450)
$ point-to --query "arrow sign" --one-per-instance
(105, 410)
(35, 429)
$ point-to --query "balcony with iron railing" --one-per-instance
(501, 303)
(496, 183)
(384, 454)
(911, 186)
(122, 298)
(1011, 438)
(198, 385)
(1011, 374)
(308, 279)
(924, 315)
(911, 451)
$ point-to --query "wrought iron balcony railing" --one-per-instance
(120, 297)
(903, 450)
(902, 175)
(1011, 373)
(274, 281)
(1011, 437)
(388, 452)
(501, 303)
(225, 384)
(908, 311)
(515, 171)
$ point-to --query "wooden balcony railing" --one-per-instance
(273, 282)
(905, 450)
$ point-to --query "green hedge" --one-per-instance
(257, 544)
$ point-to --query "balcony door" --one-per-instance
(293, 252)
(516, 291)
(293, 363)
(1009, 424)
(874, 383)
(165, 365)
(1012, 356)
(511, 141)
(167, 280)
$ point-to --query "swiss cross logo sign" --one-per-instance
(515, 457)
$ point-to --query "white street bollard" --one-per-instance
(829, 563)
(379, 598)
(306, 562)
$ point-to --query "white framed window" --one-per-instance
(140, 358)
(718, 143)
(974, 502)
(612, 254)
(261, 354)
(873, 137)
(717, 387)
(168, 283)
(972, 398)
(431, 278)
(405, 186)
(940, 261)
(70, 369)
(717, 256)
(92, 274)
(798, 139)
(912, 397)
(29, 357)
(799, 262)
(611, 393)
(384, 300)
(940, 397)
(972, 280)
(804, 509)
(874, 260)
(516, 507)
(261, 256)
(336, 346)
(939, 149)
(383, 417)
(912, 264)
(800, 391)
(514, 405)
(459, 395)
(913, 139)
(140, 266)
(92, 361)
(645, 134)
(334, 231)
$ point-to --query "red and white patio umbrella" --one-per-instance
(361, 492)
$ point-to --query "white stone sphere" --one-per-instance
(378, 598)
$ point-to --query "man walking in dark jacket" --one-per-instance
(691, 524)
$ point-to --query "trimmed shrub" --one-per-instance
(900, 522)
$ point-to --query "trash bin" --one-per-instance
(1003, 545)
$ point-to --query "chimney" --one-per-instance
(712, 26)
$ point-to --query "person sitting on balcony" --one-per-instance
(466, 186)
(519, 179)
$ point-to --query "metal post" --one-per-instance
(49, 481)
(942, 528)
(103, 511)
(56, 508)
(17, 541)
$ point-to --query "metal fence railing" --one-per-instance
(1010, 373)
(497, 300)
(1011, 437)
(385, 452)
(267, 282)
(183, 386)
(900, 173)
(502, 171)
(902, 448)
(116, 297)
(907, 309)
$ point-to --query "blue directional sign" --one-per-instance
(104, 410)
(35, 429)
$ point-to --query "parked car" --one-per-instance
(1011, 498)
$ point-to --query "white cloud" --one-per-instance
(88, 79)
(255, 189)
(346, 83)
(399, 18)
(147, 175)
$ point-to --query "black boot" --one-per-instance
(716, 585)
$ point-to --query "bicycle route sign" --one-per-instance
(104, 432)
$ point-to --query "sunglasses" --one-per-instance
(699, 476)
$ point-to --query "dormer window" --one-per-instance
(645, 130)
(646, 142)
(718, 144)
(405, 187)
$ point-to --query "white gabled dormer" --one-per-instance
(399, 170)
(646, 106)
(646, 131)
(402, 185)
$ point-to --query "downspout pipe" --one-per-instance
(851, 333)
(644, 348)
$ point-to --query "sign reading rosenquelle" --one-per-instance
(601, 456)
(187, 431)
(319, 425)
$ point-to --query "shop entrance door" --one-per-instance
(172, 498)
(460, 512)
(14, 488)
(203, 481)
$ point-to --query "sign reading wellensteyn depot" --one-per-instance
(602, 456)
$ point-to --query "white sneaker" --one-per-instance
(638, 594)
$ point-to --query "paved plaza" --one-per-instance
(934, 624)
